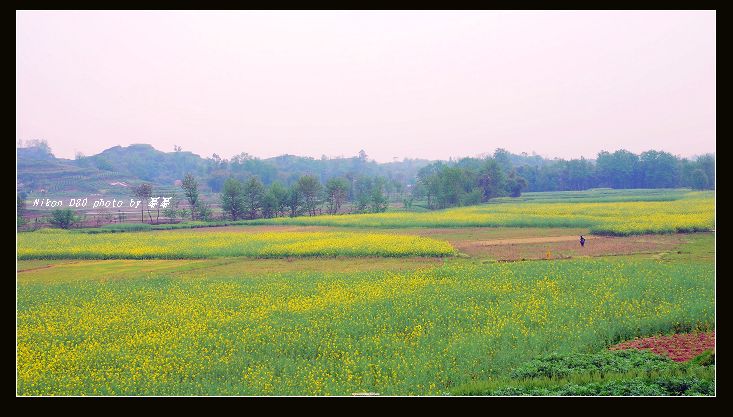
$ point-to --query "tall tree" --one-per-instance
(191, 191)
(294, 200)
(253, 192)
(491, 179)
(707, 164)
(311, 190)
(378, 201)
(336, 192)
(450, 186)
(279, 196)
(232, 199)
(619, 169)
(699, 179)
(658, 170)
(269, 205)
(515, 184)
(503, 158)
(428, 179)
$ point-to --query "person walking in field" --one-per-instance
(582, 241)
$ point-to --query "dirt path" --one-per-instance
(525, 240)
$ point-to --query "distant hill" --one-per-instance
(39, 172)
(114, 170)
(119, 167)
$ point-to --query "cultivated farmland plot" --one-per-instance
(393, 303)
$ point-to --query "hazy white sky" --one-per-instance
(397, 84)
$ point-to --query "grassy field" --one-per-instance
(604, 213)
(322, 310)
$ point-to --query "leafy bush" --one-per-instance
(555, 366)
(64, 218)
(706, 358)
(621, 387)
(612, 373)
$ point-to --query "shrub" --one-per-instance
(64, 218)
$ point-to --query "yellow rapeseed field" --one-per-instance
(419, 332)
(197, 244)
(695, 211)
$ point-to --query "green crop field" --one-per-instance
(326, 333)
(265, 310)
(604, 212)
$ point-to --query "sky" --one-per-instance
(430, 85)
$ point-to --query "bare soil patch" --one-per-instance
(562, 247)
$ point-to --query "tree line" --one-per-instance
(619, 169)
(467, 182)
(249, 188)
(251, 199)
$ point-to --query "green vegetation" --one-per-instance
(440, 184)
(251, 311)
(226, 330)
(624, 372)
(690, 212)
(64, 218)
(619, 361)
(669, 383)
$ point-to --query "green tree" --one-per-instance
(450, 186)
(658, 170)
(429, 183)
(294, 200)
(503, 158)
(103, 164)
(171, 211)
(336, 193)
(363, 193)
(491, 180)
(378, 201)
(707, 164)
(699, 179)
(269, 205)
(191, 191)
(278, 195)
(577, 175)
(203, 211)
(311, 190)
(515, 184)
(472, 198)
(232, 198)
(619, 169)
(253, 192)
(64, 218)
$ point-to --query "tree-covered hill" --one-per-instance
(452, 182)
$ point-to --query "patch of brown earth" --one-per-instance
(561, 247)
